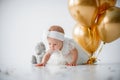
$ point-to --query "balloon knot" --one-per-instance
(91, 60)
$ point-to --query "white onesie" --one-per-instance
(64, 56)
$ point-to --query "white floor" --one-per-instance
(81, 72)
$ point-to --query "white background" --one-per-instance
(22, 23)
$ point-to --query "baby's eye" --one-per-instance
(55, 44)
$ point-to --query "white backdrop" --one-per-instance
(22, 23)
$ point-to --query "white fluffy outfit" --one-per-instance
(62, 57)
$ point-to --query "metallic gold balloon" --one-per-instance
(87, 38)
(109, 25)
(103, 5)
(83, 11)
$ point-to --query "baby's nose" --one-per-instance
(52, 47)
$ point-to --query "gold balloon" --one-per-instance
(87, 38)
(83, 11)
(109, 25)
(103, 5)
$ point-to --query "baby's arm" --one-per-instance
(74, 54)
(44, 60)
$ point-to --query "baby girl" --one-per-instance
(62, 50)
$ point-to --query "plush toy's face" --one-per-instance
(40, 48)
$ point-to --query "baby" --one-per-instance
(62, 50)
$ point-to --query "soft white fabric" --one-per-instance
(63, 56)
(57, 58)
(56, 35)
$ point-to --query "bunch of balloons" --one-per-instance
(96, 21)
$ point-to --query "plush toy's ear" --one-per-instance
(34, 60)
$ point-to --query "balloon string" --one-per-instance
(89, 30)
(100, 49)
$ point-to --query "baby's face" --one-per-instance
(55, 44)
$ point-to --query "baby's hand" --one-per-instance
(41, 64)
(71, 64)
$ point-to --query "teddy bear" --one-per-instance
(39, 53)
